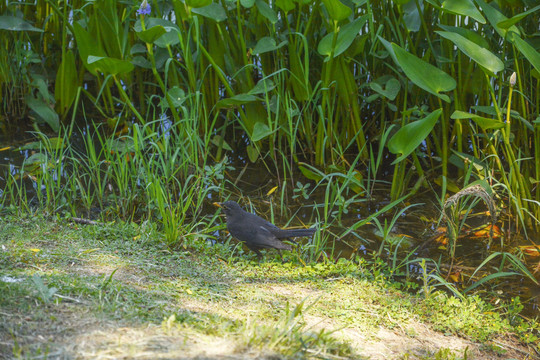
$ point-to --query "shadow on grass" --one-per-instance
(102, 291)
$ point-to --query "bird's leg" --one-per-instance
(259, 255)
(281, 256)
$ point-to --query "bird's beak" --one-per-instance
(217, 204)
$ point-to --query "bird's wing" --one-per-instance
(277, 231)
(242, 232)
(272, 228)
(268, 226)
(259, 221)
(265, 239)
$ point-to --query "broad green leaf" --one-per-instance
(435, 3)
(44, 111)
(458, 115)
(152, 34)
(44, 293)
(213, 11)
(142, 62)
(473, 36)
(409, 137)
(480, 55)
(150, 22)
(198, 3)
(490, 110)
(463, 7)
(177, 95)
(262, 87)
(505, 24)
(285, 5)
(390, 90)
(310, 172)
(260, 131)
(137, 48)
(484, 123)
(37, 158)
(54, 143)
(253, 153)
(236, 100)
(528, 51)
(247, 3)
(87, 46)
(495, 17)
(345, 38)
(266, 11)
(337, 10)
(168, 38)
(458, 159)
(67, 79)
(43, 89)
(389, 48)
(219, 141)
(161, 55)
(14, 23)
(110, 66)
(121, 145)
(423, 74)
(267, 44)
(34, 145)
(411, 17)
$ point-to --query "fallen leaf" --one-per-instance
(531, 250)
(272, 190)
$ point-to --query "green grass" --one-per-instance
(118, 281)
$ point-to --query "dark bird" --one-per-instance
(256, 232)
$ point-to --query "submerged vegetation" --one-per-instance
(148, 112)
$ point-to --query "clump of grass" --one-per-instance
(150, 173)
(470, 316)
(291, 337)
(441, 354)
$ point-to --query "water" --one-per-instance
(415, 231)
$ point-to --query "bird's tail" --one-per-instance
(287, 233)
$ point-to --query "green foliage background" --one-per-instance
(293, 81)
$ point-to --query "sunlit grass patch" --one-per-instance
(120, 287)
(291, 336)
(473, 317)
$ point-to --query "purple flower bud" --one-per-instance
(144, 9)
